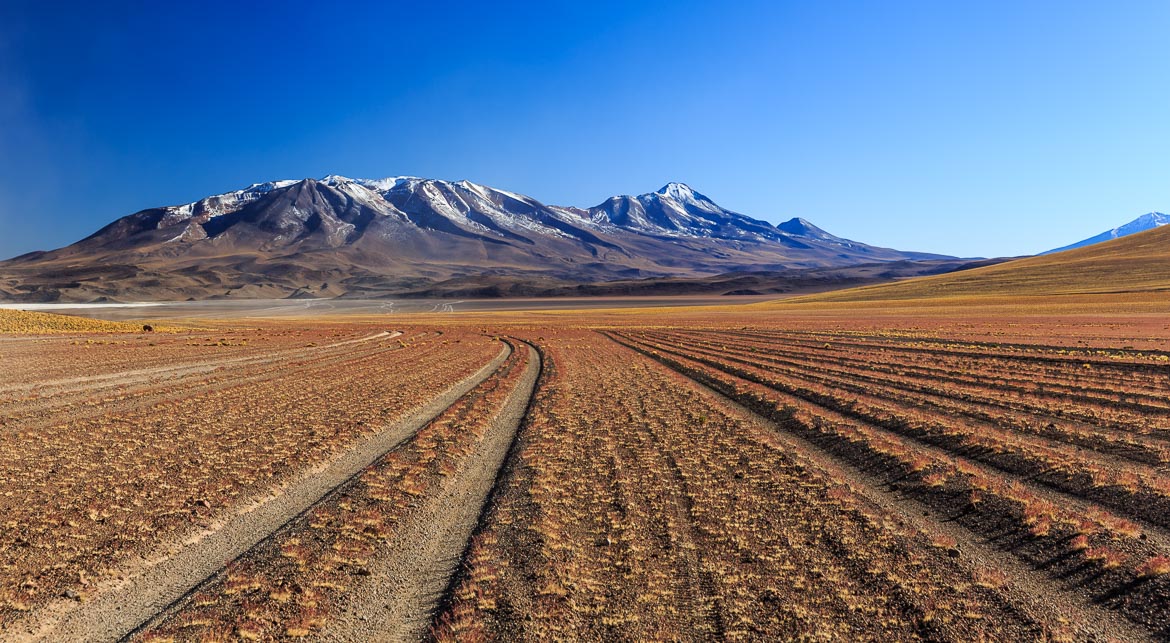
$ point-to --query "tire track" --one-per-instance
(122, 609)
(87, 383)
(972, 400)
(407, 581)
(59, 408)
(1032, 591)
(698, 583)
(1039, 483)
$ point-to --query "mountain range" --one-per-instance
(398, 236)
(1141, 224)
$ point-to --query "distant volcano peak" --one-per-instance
(339, 235)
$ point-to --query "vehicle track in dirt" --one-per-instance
(108, 380)
(1029, 395)
(58, 406)
(120, 609)
(397, 601)
(1156, 532)
(1032, 591)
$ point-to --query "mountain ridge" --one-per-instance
(374, 237)
(1145, 222)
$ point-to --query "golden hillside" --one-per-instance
(1133, 265)
(25, 322)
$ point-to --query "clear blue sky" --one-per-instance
(968, 128)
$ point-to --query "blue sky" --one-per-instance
(968, 128)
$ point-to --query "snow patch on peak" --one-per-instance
(1152, 218)
(481, 191)
(682, 195)
(219, 204)
(678, 191)
(519, 197)
(1147, 221)
(389, 183)
(264, 188)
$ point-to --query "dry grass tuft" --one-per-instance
(23, 322)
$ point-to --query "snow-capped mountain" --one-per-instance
(1141, 224)
(678, 211)
(338, 235)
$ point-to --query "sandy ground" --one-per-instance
(396, 602)
(121, 609)
(124, 378)
(1033, 591)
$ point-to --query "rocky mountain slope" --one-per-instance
(358, 237)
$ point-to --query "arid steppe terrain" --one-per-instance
(596, 322)
(986, 466)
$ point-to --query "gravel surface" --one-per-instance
(120, 609)
(396, 602)
(1031, 591)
